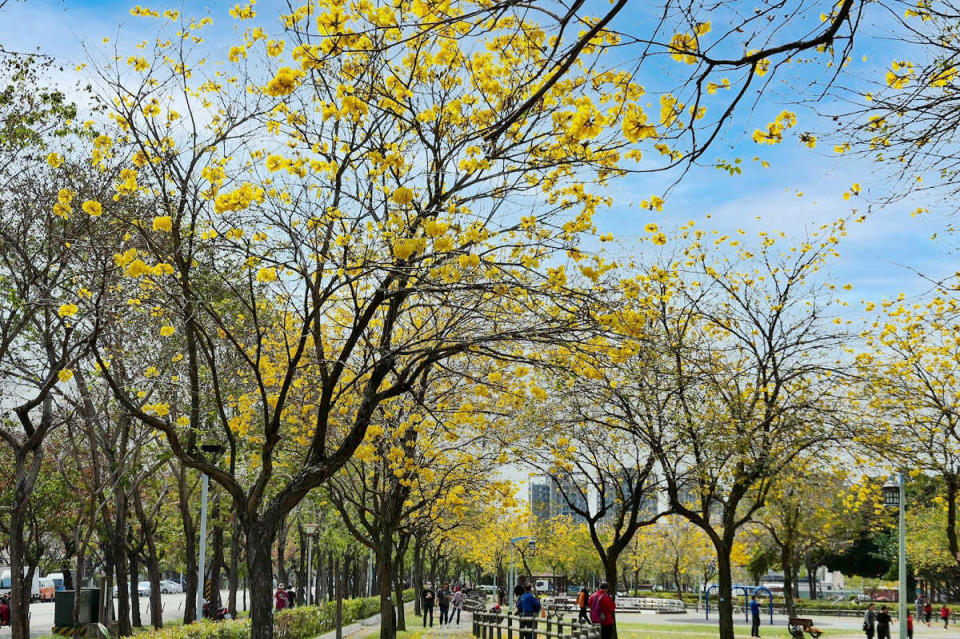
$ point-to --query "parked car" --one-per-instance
(144, 588)
(168, 587)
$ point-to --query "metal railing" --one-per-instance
(497, 625)
(624, 604)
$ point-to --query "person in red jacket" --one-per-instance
(280, 597)
(602, 609)
(945, 615)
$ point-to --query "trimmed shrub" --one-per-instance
(302, 622)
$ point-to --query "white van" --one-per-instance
(34, 587)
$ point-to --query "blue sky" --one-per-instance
(876, 258)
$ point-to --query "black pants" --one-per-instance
(755, 628)
(870, 632)
(606, 632)
(454, 610)
(883, 631)
(526, 625)
(583, 617)
(427, 610)
(443, 614)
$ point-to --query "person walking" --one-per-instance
(920, 607)
(280, 598)
(427, 598)
(456, 603)
(870, 622)
(443, 600)
(755, 616)
(291, 597)
(529, 607)
(582, 604)
(602, 610)
(945, 615)
(909, 625)
(927, 611)
(883, 623)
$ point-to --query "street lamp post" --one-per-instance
(894, 497)
(214, 449)
(311, 530)
(513, 567)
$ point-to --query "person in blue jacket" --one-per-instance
(529, 607)
(755, 614)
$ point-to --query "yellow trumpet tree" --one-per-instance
(309, 236)
(742, 380)
(910, 368)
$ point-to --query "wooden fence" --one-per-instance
(497, 625)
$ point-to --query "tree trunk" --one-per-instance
(119, 551)
(260, 576)
(135, 619)
(234, 567)
(417, 575)
(676, 578)
(398, 598)
(387, 629)
(725, 591)
(789, 575)
(953, 486)
(328, 582)
(20, 585)
(282, 575)
(338, 572)
(812, 580)
(149, 530)
(610, 574)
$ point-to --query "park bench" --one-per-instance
(798, 626)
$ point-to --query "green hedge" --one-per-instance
(302, 622)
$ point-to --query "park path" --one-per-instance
(370, 628)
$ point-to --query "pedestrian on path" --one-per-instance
(602, 610)
(909, 625)
(755, 614)
(529, 607)
(426, 602)
(443, 600)
(582, 604)
(945, 615)
(280, 597)
(456, 603)
(870, 621)
(927, 611)
(883, 623)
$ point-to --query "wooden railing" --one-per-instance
(497, 625)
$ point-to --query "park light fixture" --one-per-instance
(893, 497)
(891, 493)
(214, 450)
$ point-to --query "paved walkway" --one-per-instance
(371, 626)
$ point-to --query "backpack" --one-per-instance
(596, 612)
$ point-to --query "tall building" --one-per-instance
(539, 497)
(649, 503)
(547, 499)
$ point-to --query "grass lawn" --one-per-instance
(697, 631)
(415, 632)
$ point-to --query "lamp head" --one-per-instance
(891, 493)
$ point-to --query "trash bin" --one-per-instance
(89, 607)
